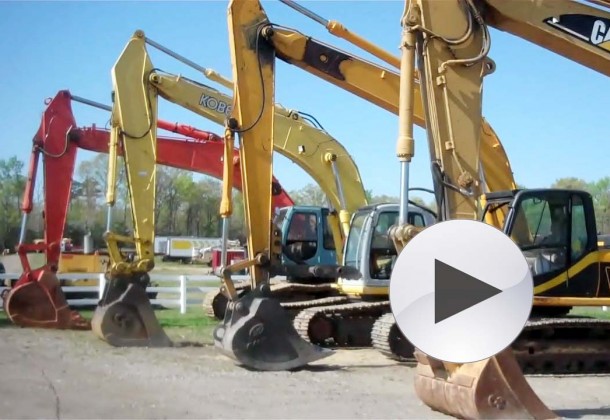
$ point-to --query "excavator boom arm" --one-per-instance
(379, 86)
(571, 29)
(313, 149)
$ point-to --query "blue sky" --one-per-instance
(549, 112)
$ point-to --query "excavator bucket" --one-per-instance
(493, 388)
(124, 316)
(37, 301)
(258, 333)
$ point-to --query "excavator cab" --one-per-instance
(556, 230)
(370, 249)
(306, 237)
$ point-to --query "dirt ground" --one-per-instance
(67, 374)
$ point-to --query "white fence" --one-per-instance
(185, 284)
(184, 281)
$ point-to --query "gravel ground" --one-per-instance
(68, 374)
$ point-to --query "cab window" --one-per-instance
(329, 242)
(303, 227)
(533, 217)
(383, 252)
(579, 235)
(543, 224)
(416, 219)
(352, 247)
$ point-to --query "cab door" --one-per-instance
(584, 267)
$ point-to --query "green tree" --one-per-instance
(12, 186)
(600, 191)
(571, 183)
(309, 195)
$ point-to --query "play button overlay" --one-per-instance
(461, 291)
(455, 291)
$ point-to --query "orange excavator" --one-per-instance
(36, 299)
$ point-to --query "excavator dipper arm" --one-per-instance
(570, 29)
(256, 330)
(450, 42)
(36, 299)
(124, 315)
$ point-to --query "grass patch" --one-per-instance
(4, 321)
(193, 327)
(594, 312)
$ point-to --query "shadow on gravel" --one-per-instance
(319, 368)
(191, 344)
(581, 412)
(316, 368)
(350, 367)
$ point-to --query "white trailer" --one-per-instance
(187, 248)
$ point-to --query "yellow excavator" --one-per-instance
(449, 43)
(495, 387)
(300, 138)
(364, 319)
(124, 316)
(343, 324)
(297, 138)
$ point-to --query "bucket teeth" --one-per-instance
(125, 317)
(258, 333)
(493, 388)
(37, 301)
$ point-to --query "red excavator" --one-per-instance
(36, 299)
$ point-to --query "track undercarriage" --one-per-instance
(323, 316)
(547, 345)
(292, 296)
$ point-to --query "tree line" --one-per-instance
(184, 206)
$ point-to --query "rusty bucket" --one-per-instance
(493, 388)
(37, 301)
